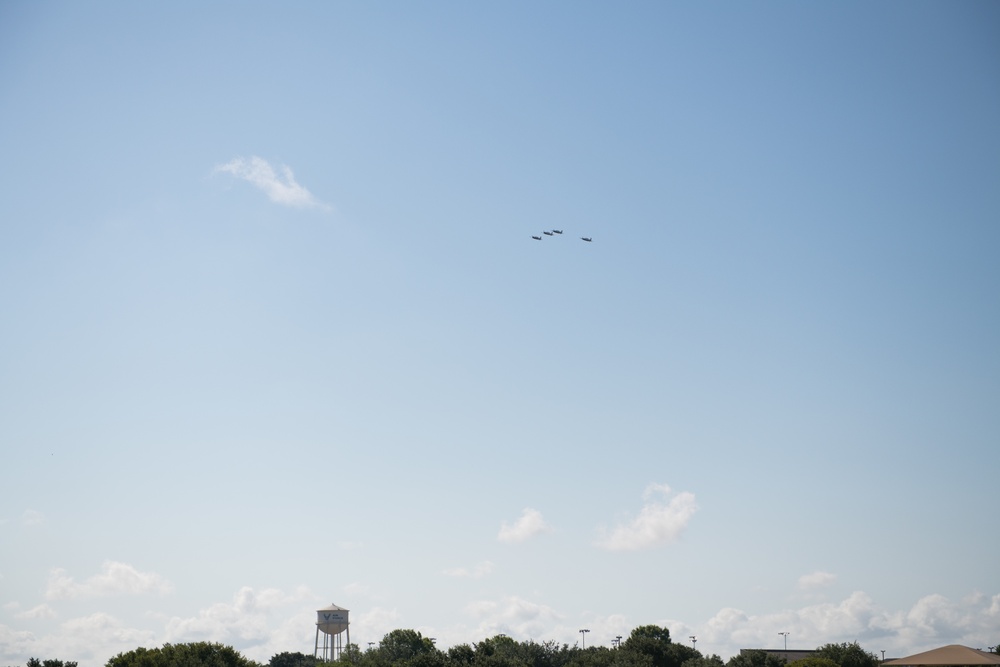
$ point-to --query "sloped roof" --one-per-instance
(953, 655)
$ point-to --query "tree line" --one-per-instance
(646, 646)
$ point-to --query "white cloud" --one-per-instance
(657, 522)
(932, 621)
(527, 526)
(115, 579)
(245, 617)
(281, 188)
(262, 623)
(513, 616)
(32, 518)
(477, 572)
(41, 611)
(816, 580)
(357, 589)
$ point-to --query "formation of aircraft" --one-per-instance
(588, 239)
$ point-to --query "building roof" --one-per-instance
(954, 655)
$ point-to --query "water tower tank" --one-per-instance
(332, 620)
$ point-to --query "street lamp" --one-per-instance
(785, 635)
(694, 640)
(583, 635)
(618, 641)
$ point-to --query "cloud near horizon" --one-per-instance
(657, 522)
(260, 624)
(527, 526)
(281, 188)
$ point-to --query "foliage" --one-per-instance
(649, 640)
(403, 646)
(646, 646)
(702, 661)
(755, 658)
(35, 662)
(813, 661)
(287, 659)
(847, 655)
(654, 642)
(197, 654)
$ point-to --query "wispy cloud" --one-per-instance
(658, 522)
(527, 526)
(115, 579)
(279, 184)
(808, 582)
(41, 611)
(32, 518)
(477, 572)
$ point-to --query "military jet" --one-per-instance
(557, 231)
(586, 238)
(547, 233)
(537, 238)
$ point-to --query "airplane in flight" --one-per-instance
(547, 233)
(557, 231)
(537, 238)
(587, 239)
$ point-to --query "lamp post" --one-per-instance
(583, 635)
(618, 641)
(785, 635)
(883, 655)
(694, 641)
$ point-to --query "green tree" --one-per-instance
(351, 654)
(847, 655)
(406, 648)
(702, 661)
(287, 659)
(500, 651)
(755, 658)
(197, 654)
(461, 655)
(654, 641)
(813, 661)
(35, 662)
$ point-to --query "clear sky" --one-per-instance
(275, 333)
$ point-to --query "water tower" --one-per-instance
(331, 621)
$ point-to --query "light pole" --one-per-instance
(583, 635)
(618, 641)
(694, 640)
(785, 635)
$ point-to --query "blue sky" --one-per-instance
(276, 333)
